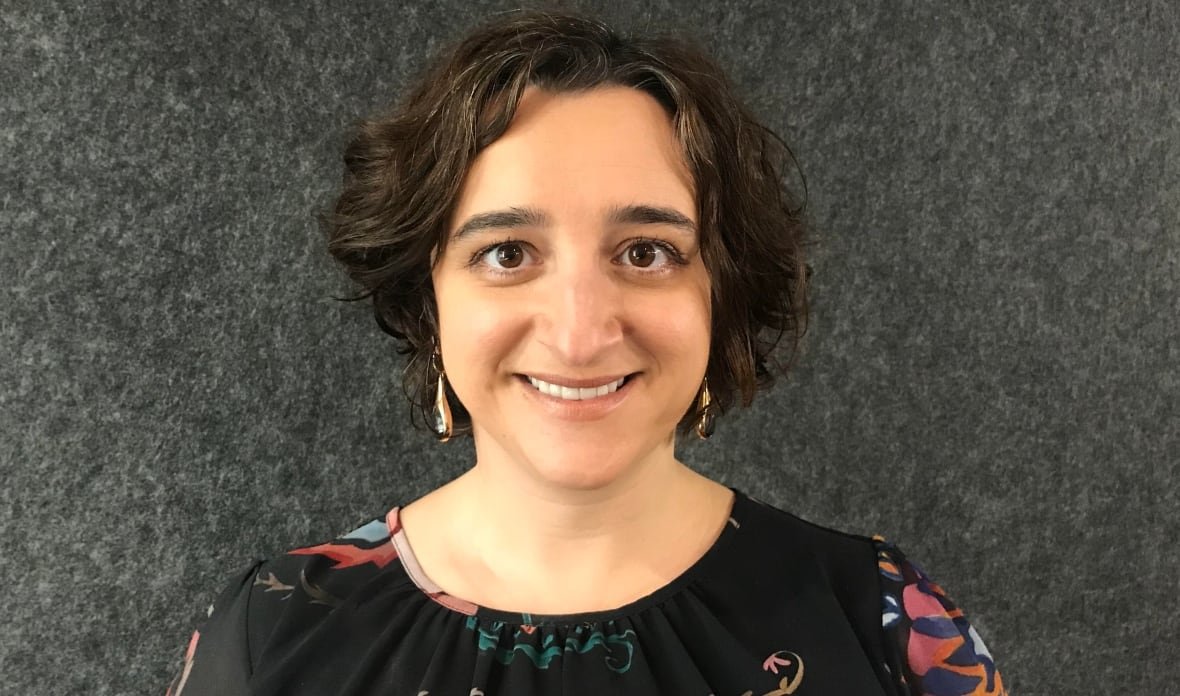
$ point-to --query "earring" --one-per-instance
(442, 409)
(706, 412)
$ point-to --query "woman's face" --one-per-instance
(574, 259)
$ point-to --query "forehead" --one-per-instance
(581, 152)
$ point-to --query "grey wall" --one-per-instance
(991, 377)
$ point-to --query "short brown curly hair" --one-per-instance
(404, 170)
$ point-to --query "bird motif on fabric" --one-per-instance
(350, 556)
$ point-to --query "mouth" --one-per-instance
(577, 393)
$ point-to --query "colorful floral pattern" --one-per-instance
(943, 654)
(930, 648)
(619, 647)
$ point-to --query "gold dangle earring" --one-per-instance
(706, 412)
(442, 409)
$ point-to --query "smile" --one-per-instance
(575, 393)
(587, 400)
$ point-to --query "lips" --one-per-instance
(576, 393)
(570, 393)
(576, 382)
(578, 403)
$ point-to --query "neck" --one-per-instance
(647, 525)
(555, 523)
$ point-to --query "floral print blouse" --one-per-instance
(777, 605)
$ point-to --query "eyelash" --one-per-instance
(674, 255)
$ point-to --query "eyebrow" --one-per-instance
(517, 217)
(651, 215)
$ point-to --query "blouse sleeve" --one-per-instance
(218, 660)
(931, 648)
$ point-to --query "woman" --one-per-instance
(582, 243)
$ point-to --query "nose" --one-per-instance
(581, 320)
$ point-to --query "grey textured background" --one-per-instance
(991, 377)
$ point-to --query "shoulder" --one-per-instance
(300, 585)
(810, 564)
(905, 621)
(271, 600)
(932, 645)
(335, 564)
(324, 572)
(785, 537)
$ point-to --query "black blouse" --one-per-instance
(777, 605)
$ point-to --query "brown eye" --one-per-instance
(642, 254)
(509, 255)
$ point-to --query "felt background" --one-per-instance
(990, 379)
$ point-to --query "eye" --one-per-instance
(508, 255)
(644, 253)
(501, 258)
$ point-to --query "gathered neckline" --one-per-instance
(418, 577)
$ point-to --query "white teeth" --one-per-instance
(575, 393)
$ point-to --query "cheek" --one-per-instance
(683, 325)
(678, 326)
(478, 336)
(692, 305)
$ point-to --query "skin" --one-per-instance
(564, 513)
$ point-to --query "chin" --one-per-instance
(582, 472)
(574, 459)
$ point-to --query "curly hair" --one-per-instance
(404, 170)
